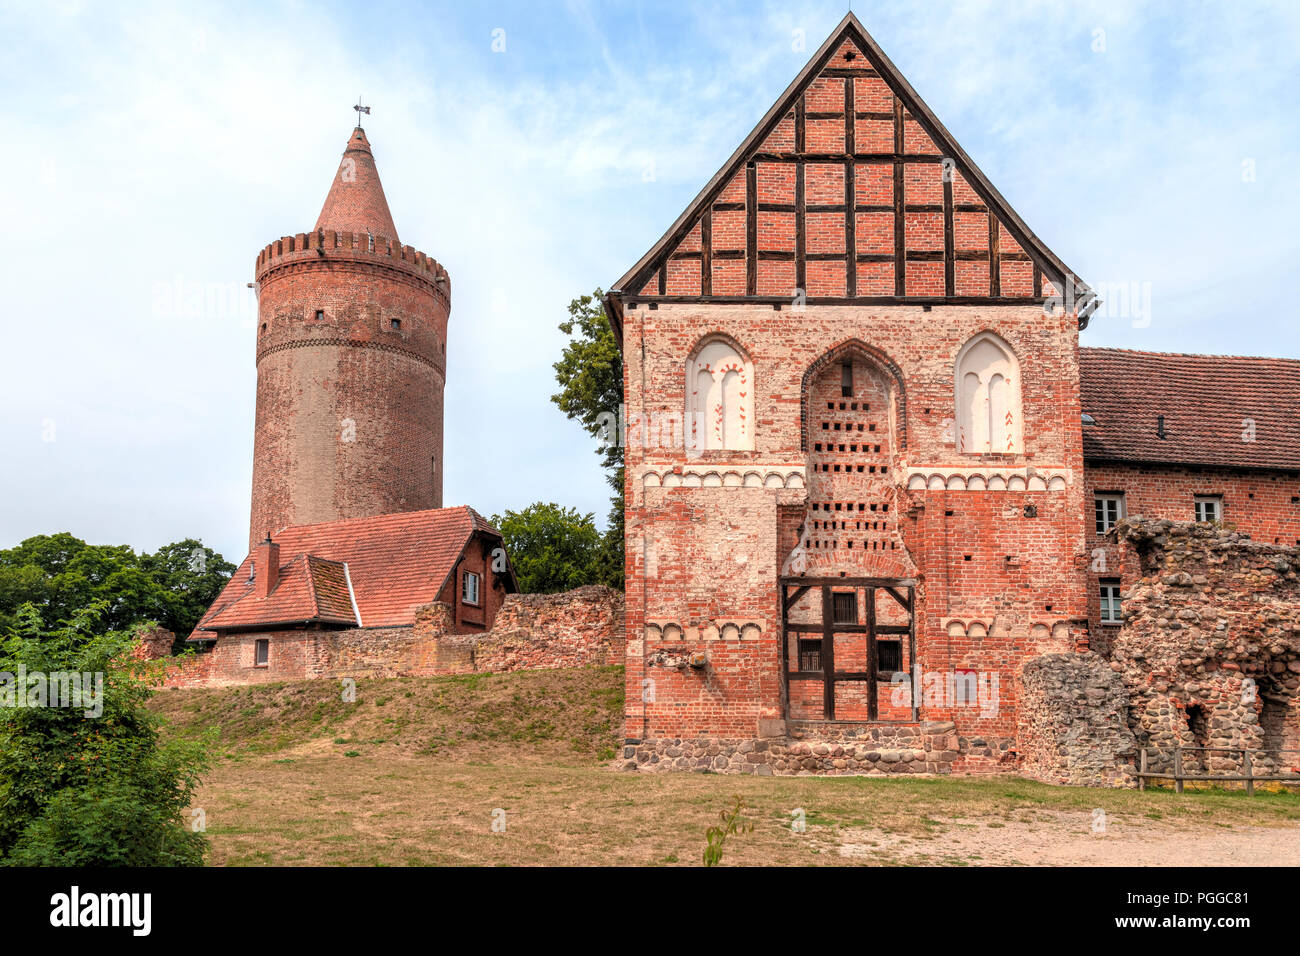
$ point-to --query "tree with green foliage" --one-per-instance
(58, 574)
(553, 548)
(83, 785)
(590, 373)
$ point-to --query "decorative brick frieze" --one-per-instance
(682, 477)
(986, 479)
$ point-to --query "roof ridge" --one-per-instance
(391, 515)
(309, 570)
(478, 518)
(1198, 355)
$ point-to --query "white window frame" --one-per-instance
(465, 589)
(1201, 504)
(1105, 498)
(1112, 611)
(258, 644)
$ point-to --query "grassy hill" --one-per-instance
(569, 713)
(417, 770)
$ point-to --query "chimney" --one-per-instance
(266, 567)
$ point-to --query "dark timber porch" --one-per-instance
(808, 647)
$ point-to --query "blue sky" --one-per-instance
(153, 149)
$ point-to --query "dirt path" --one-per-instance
(1053, 838)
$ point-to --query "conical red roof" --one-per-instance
(356, 201)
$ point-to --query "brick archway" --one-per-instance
(873, 356)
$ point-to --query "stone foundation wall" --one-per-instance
(1073, 722)
(873, 750)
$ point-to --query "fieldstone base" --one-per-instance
(929, 747)
(1072, 722)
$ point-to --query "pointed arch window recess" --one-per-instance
(987, 385)
(720, 398)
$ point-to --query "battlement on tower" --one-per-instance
(331, 244)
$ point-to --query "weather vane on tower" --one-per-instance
(360, 109)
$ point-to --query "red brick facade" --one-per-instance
(351, 363)
(857, 455)
(854, 453)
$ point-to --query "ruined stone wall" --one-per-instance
(1073, 725)
(1262, 504)
(1209, 651)
(574, 629)
(579, 627)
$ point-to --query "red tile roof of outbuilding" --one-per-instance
(395, 563)
(1212, 405)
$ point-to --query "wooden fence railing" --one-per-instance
(1247, 776)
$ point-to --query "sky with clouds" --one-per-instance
(153, 149)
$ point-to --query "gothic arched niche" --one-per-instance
(719, 397)
(853, 416)
(987, 389)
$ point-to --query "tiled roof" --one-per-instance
(306, 591)
(1220, 410)
(396, 563)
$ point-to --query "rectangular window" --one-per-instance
(810, 655)
(261, 652)
(889, 658)
(1109, 508)
(469, 588)
(844, 607)
(1110, 603)
(1208, 507)
(846, 380)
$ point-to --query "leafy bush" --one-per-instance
(59, 574)
(82, 789)
(112, 824)
(553, 548)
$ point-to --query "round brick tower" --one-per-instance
(351, 362)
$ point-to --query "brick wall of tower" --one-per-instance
(351, 362)
(1000, 568)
